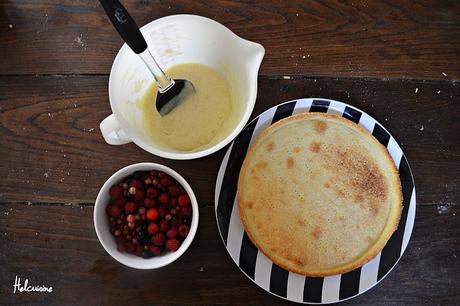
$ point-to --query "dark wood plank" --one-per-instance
(57, 246)
(386, 39)
(52, 150)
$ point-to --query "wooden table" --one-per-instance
(399, 61)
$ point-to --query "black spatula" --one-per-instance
(170, 92)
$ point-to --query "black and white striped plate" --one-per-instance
(260, 269)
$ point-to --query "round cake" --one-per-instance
(318, 194)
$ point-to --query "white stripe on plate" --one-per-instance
(235, 234)
(395, 151)
(336, 108)
(220, 176)
(302, 106)
(263, 271)
(295, 286)
(264, 121)
(331, 287)
(369, 274)
(409, 222)
(367, 122)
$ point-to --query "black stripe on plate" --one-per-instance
(279, 281)
(382, 136)
(283, 111)
(319, 106)
(230, 180)
(392, 250)
(248, 256)
(349, 284)
(352, 114)
(313, 289)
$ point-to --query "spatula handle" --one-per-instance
(129, 31)
(125, 25)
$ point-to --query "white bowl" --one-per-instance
(174, 40)
(101, 222)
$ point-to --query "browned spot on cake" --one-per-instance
(296, 149)
(369, 239)
(270, 146)
(358, 227)
(320, 126)
(261, 165)
(316, 233)
(255, 176)
(274, 250)
(290, 162)
(363, 175)
(249, 204)
(342, 219)
(315, 147)
(299, 262)
(374, 208)
(339, 193)
(299, 221)
(358, 198)
(327, 185)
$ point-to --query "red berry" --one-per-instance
(152, 214)
(172, 244)
(144, 175)
(175, 222)
(139, 250)
(148, 202)
(159, 239)
(116, 192)
(130, 218)
(173, 202)
(187, 211)
(121, 247)
(153, 229)
(162, 211)
(166, 181)
(130, 208)
(163, 198)
(183, 200)
(161, 174)
(164, 226)
(137, 184)
(139, 196)
(114, 211)
(183, 230)
(120, 202)
(174, 190)
(130, 248)
(155, 250)
(172, 232)
(152, 192)
(154, 173)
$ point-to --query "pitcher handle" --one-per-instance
(112, 132)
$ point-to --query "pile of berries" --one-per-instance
(149, 214)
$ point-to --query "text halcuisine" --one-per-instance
(29, 288)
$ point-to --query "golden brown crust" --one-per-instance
(368, 185)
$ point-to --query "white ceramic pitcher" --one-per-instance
(175, 40)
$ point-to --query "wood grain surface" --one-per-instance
(385, 39)
(396, 60)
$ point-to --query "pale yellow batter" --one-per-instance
(202, 120)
